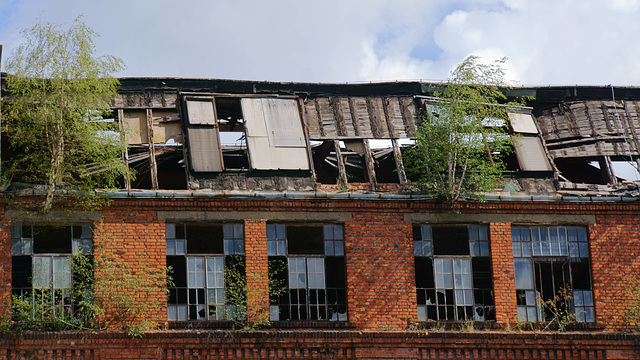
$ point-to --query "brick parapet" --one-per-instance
(321, 344)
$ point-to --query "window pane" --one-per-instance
(523, 273)
(41, 272)
(61, 272)
(181, 247)
(171, 247)
(271, 231)
(315, 267)
(16, 246)
(170, 231)
(339, 248)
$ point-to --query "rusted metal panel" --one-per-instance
(531, 154)
(204, 149)
(262, 118)
(201, 112)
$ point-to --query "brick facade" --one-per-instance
(380, 279)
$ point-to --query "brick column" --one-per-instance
(504, 286)
(257, 269)
(381, 287)
(130, 266)
(5, 268)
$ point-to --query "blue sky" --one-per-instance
(547, 42)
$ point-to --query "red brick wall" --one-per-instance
(380, 271)
(321, 344)
(380, 276)
(255, 239)
(130, 253)
(504, 288)
(615, 259)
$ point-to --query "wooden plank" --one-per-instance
(376, 118)
(125, 153)
(370, 164)
(338, 116)
(305, 131)
(347, 116)
(311, 116)
(342, 171)
(326, 118)
(153, 166)
(355, 119)
(364, 122)
(408, 110)
(399, 165)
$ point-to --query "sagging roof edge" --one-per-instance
(540, 93)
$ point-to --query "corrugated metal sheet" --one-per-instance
(262, 118)
(523, 123)
(531, 154)
(201, 112)
(360, 117)
(204, 149)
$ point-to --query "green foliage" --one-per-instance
(54, 118)
(558, 310)
(236, 293)
(58, 309)
(116, 299)
(461, 138)
(632, 315)
(126, 292)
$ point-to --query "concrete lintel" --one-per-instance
(204, 216)
(54, 217)
(525, 219)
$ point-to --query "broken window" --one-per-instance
(551, 263)
(222, 129)
(202, 257)
(308, 263)
(453, 273)
(42, 263)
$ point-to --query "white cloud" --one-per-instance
(546, 41)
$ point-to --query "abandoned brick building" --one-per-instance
(311, 176)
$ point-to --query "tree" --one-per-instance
(55, 117)
(462, 136)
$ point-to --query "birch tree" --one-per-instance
(461, 137)
(55, 115)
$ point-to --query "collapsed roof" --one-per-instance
(219, 135)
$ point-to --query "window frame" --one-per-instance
(185, 303)
(441, 302)
(321, 302)
(534, 247)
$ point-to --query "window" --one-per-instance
(221, 129)
(453, 273)
(42, 263)
(308, 264)
(198, 256)
(551, 263)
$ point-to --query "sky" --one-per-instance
(547, 42)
